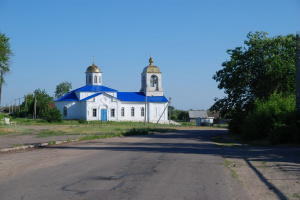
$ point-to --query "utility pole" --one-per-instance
(34, 111)
(145, 118)
(297, 73)
(15, 105)
(25, 104)
(169, 110)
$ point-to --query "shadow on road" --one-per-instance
(199, 142)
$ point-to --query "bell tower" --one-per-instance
(151, 79)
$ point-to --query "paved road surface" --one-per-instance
(180, 165)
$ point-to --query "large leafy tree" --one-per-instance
(62, 89)
(5, 54)
(262, 66)
(43, 101)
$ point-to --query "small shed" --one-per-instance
(208, 121)
(194, 114)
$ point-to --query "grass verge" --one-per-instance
(133, 131)
(18, 145)
(8, 129)
(228, 164)
(52, 142)
(223, 141)
(296, 195)
(48, 133)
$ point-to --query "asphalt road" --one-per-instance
(180, 165)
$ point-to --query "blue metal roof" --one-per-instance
(123, 96)
(71, 96)
(139, 97)
(95, 88)
(92, 96)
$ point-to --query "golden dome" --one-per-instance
(151, 68)
(93, 69)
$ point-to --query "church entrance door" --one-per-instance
(103, 114)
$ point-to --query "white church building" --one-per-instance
(97, 102)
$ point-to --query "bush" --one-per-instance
(53, 115)
(275, 120)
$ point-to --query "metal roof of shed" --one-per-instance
(197, 114)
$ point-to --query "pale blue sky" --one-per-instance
(55, 41)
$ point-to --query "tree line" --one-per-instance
(40, 105)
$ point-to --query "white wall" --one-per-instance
(99, 78)
(154, 111)
(75, 109)
(102, 102)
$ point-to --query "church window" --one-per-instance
(132, 112)
(99, 79)
(112, 112)
(94, 112)
(90, 79)
(122, 112)
(95, 79)
(142, 112)
(153, 81)
(65, 111)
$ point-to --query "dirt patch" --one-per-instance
(270, 172)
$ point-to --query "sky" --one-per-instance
(55, 41)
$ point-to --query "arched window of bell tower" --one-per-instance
(95, 79)
(90, 79)
(154, 81)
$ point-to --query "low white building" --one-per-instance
(97, 102)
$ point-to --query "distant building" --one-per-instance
(194, 114)
(97, 102)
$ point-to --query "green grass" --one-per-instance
(220, 140)
(234, 174)
(221, 125)
(263, 162)
(104, 130)
(47, 133)
(75, 122)
(188, 123)
(296, 195)
(52, 142)
(133, 131)
(18, 145)
(94, 137)
(27, 133)
(8, 129)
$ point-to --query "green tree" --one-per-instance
(5, 54)
(42, 105)
(257, 70)
(62, 89)
(24, 107)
